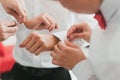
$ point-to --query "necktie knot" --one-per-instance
(101, 21)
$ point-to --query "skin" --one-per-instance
(80, 30)
(37, 43)
(82, 6)
(7, 29)
(15, 8)
(40, 22)
(67, 55)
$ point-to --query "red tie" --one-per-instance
(99, 17)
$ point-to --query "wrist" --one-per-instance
(55, 39)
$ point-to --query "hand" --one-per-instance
(15, 8)
(37, 43)
(81, 30)
(67, 55)
(7, 29)
(40, 22)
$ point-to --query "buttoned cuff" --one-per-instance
(60, 35)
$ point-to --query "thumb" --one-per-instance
(15, 15)
(45, 22)
(21, 13)
(28, 24)
(21, 45)
(70, 44)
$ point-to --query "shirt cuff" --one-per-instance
(83, 70)
(60, 35)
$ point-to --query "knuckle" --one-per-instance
(26, 48)
(64, 49)
(8, 11)
(40, 41)
(61, 56)
(36, 37)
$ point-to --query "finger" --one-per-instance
(71, 30)
(35, 46)
(11, 29)
(55, 61)
(24, 7)
(70, 44)
(22, 17)
(30, 24)
(21, 12)
(32, 41)
(61, 46)
(54, 58)
(52, 23)
(23, 4)
(38, 51)
(53, 55)
(24, 43)
(46, 22)
(57, 50)
(15, 14)
(10, 23)
(41, 23)
(77, 35)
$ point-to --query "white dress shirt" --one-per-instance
(103, 62)
(62, 16)
(35, 7)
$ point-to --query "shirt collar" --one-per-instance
(108, 8)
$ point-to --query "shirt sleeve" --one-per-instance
(84, 71)
(62, 36)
